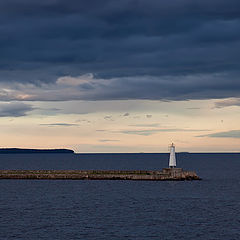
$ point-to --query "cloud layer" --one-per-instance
(228, 103)
(14, 109)
(135, 49)
(89, 87)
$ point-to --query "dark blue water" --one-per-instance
(43, 209)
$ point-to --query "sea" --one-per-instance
(116, 209)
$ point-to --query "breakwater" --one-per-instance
(164, 174)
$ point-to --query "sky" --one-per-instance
(120, 76)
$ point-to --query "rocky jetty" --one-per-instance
(166, 174)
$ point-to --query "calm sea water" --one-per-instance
(116, 210)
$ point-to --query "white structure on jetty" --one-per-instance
(172, 158)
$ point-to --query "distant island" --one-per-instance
(21, 150)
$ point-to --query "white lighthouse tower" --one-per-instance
(172, 158)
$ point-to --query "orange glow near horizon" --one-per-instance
(188, 124)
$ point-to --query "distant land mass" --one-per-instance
(21, 150)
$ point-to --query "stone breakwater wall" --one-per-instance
(165, 174)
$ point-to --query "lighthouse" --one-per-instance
(172, 158)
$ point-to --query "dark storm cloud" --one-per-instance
(173, 41)
(14, 109)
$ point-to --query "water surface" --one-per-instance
(48, 209)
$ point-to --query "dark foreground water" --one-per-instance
(58, 209)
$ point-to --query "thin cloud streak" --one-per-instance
(145, 125)
(108, 140)
(59, 124)
(148, 132)
(227, 134)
